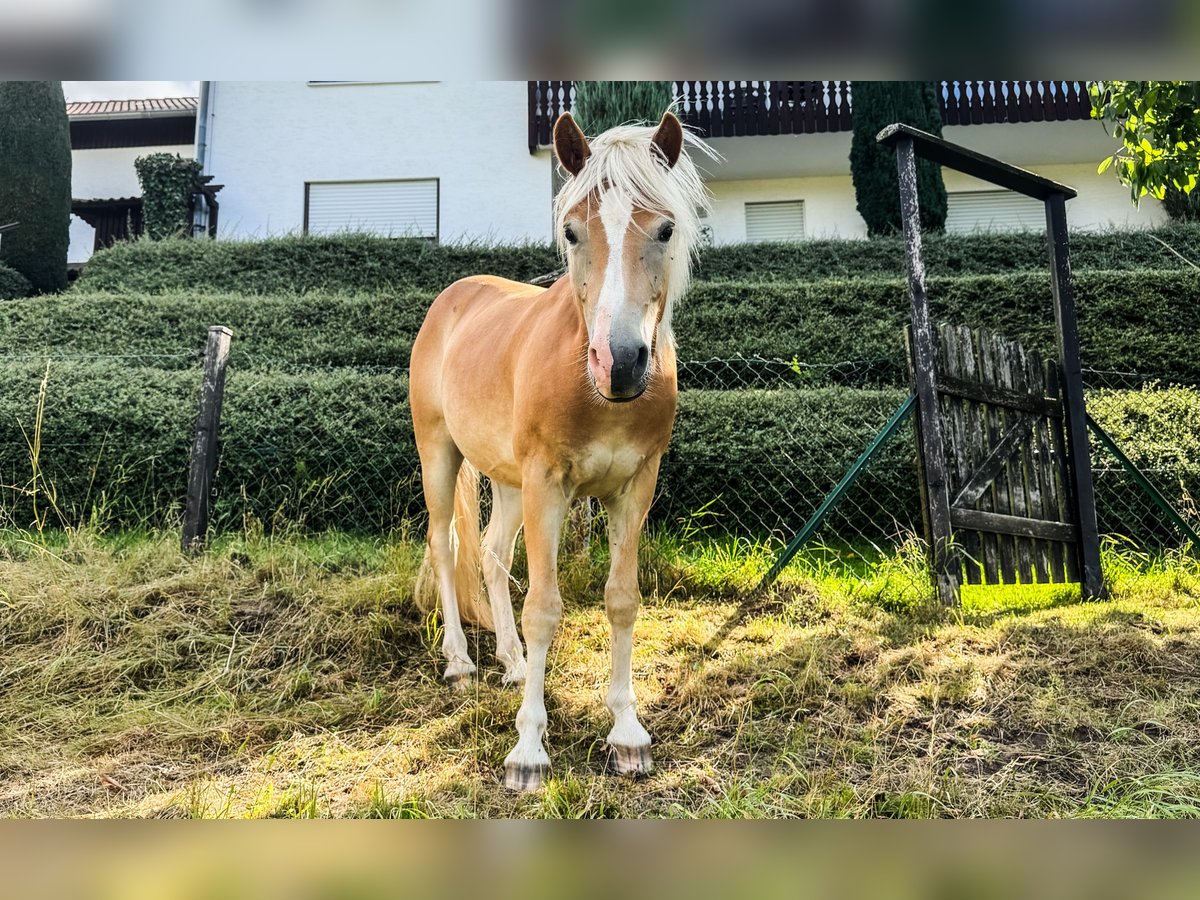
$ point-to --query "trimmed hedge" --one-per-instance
(364, 263)
(13, 285)
(302, 264)
(319, 450)
(335, 450)
(169, 330)
(1143, 321)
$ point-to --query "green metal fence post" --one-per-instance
(834, 496)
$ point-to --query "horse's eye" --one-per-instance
(569, 234)
(664, 233)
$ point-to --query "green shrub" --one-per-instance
(1158, 428)
(1121, 323)
(167, 181)
(169, 330)
(364, 263)
(760, 461)
(35, 181)
(878, 104)
(302, 264)
(13, 284)
(601, 105)
(334, 449)
(330, 449)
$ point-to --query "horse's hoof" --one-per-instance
(460, 680)
(519, 777)
(515, 678)
(632, 760)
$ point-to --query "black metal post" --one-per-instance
(944, 564)
(204, 448)
(1079, 460)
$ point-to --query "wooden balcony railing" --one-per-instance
(744, 108)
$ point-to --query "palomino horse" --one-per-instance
(554, 394)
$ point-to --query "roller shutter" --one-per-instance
(993, 211)
(392, 208)
(776, 221)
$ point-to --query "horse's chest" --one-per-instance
(602, 467)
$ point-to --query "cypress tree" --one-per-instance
(877, 104)
(599, 105)
(35, 181)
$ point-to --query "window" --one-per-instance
(776, 221)
(390, 208)
(993, 210)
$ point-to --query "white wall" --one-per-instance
(104, 174)
(266, 139)
(829, 203)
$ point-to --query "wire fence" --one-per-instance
(758, 445)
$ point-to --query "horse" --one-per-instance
(555, 394)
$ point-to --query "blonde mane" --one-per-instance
(623, 159)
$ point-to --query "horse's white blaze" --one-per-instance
(616, 212)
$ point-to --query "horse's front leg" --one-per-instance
(545, 508)
(629, 741)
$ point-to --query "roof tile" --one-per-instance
(101, 108)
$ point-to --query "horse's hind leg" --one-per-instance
(440, 462)
(498, 543)
(629, 741)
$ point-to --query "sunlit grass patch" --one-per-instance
(293, 677)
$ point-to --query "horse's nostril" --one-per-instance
(643, 358)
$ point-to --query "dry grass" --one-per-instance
(295, 678)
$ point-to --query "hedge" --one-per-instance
(318, 450)
(35, 181)
(1143, 321)
(303, 264)
(335, 450)
(13, 284)
(364, 263)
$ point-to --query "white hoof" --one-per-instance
(515, 674)
(459, 674)
(526, 770)
(632, 760)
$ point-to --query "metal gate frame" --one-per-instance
(910, 143)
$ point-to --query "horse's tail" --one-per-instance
(466, 541)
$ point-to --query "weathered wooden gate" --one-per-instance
(1005, 468)
(1001, 417)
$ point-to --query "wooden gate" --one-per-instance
(1005, 460)
(1006, 475)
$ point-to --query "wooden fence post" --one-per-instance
(204, 448)
(945, 564)
(1078, 450)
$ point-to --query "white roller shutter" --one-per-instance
(776, 221)
(993, 211)
(392, 208)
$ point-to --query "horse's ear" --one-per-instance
(570, 145)
(669, 138)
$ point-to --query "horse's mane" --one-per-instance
(623, 159)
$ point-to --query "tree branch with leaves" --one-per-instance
(1158, 124)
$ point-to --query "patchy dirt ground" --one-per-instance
(295, 678)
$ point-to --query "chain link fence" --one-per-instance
(758, 445)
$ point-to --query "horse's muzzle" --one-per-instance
(630, 368)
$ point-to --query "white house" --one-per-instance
(106, 137)
(464, 161)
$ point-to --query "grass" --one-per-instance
(294, 678)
